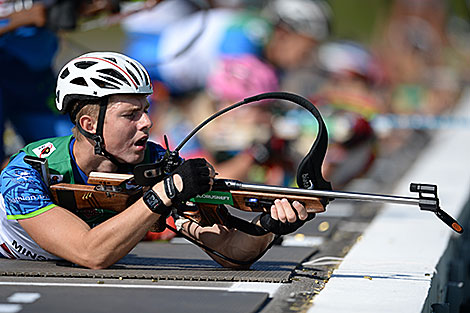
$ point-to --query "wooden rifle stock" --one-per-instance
(108, 191)
(115, 192)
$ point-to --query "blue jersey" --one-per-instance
(24, 194)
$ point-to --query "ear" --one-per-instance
(88, 123)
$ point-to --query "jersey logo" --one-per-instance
(22, 176)
(44, 150)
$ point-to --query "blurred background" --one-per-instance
(385, 75)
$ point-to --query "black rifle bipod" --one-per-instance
(428, 201)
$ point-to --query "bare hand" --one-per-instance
(283, 211)
(36, 16)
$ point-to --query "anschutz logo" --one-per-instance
(214, 197)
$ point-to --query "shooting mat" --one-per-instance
(166, 261)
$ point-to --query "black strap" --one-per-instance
(245, 226)
(98, 136)
(99, 142)
(170, 188)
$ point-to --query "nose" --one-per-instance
(145, 122)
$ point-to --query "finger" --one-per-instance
(274, 214)
(281, 214)
(204, 171)
(301, 210)
(288, 211)
(211, 168)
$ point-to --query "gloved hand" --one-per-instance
(279, 228)
(196, 175)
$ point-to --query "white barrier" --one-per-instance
(402, 262)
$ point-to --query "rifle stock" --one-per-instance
(79, 197)
(112, 192)
(253, 201)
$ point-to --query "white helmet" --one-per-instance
(99, 74)
(308, 17)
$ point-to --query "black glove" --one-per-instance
(195, 176)
(279, 228)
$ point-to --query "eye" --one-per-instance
(130, 115)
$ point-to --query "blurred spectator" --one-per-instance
(27, 49)
(157, 17)
(354, 78)
(421, 69)
(232, 142)
(221, 32)
(349, 98)
(413, 47)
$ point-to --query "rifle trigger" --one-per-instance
(256, 203)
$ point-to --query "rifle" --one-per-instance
(118, 191)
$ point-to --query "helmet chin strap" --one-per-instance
(98, 138)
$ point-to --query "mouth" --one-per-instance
(142, 142)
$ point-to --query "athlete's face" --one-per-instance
(126, 127)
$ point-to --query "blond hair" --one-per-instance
(84, 107)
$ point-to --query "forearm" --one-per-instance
(114, 238)
(8, 27)
(11, 23)
(110, 241)
(36, 16)
(65, 235)
(231, 243)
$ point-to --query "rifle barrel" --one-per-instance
(234, 184)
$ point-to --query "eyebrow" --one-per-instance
(146, 106)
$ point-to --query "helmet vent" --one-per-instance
(146, 79)
(136, 69)
(79, 81)
(85, 64)
(102, 84)
(110, 79)
(65, 73)
(111, 59)
(115, 74)
(132, 74)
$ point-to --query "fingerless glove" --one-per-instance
(279, 228)
(195, 174)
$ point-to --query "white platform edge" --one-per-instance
(391, 268)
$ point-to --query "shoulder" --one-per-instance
(16, 163)
(45, 147)
(55, 150)
(18, 172)
(23, 189)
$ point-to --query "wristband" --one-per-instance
(155, 204)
